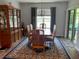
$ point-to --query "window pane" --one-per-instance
(43, 19)
(39, 19)
(43, 12)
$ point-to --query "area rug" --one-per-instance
(55, 52)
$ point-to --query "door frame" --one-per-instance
(74, 15)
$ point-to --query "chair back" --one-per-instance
(29, 32)
(28, 28)
(37, 39)
(42, 26)
(31, 27)
(54, 31)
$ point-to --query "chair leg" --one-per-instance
(44, 52)
(36, 55)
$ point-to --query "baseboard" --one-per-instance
(60, 36)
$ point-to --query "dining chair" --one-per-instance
(42, 26)
(29, 34)
(31, 27)
(38, 40)
(28, 28)
(50, 39)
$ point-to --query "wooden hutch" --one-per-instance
(10, 29)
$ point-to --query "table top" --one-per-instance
(46, 31)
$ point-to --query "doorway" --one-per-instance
(73, 24)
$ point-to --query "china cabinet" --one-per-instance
(10, 30)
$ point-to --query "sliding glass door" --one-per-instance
(76, 24)
(73, 22)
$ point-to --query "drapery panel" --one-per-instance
(33, 16)
(53, 17)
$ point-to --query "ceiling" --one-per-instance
(38, 1)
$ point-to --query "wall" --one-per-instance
(60, 13)
(2, 2)
(15, 3)
(73, 4)
(36, 1)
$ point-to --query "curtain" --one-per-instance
(33, 16)
(53, 17)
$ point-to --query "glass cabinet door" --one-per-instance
(18, 19)
(15, 18)
(11, 19)
(3, 21)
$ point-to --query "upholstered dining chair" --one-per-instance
(29, 34)
(28, 28)
(50, 39)
(31, 27)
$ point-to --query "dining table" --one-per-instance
(47, 32)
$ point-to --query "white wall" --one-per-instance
(60, 13)
(73, 4)
(2, 2)
(15, 3)
(36, 1)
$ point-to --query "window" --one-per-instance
(43, 18)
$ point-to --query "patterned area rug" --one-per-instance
(55, 52)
